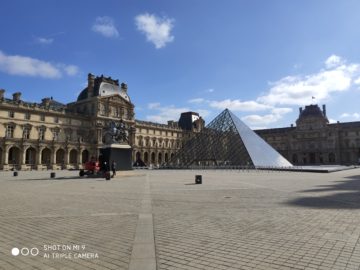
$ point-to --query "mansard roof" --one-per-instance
(103, 86)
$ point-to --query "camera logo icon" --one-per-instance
(25, 251)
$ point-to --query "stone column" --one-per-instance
(38, 158)
(23, 165)
(5, 155)
(66, 159)
(6, 166)
(53, 159)
(79, 164)
(23, 155)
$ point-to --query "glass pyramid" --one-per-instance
(227, 141)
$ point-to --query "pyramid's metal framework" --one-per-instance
(227, 141)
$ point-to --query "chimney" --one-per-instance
(90, 88)
(324, 110)
(300, 110)
(17, 96)
(124, 87)
(2, 94)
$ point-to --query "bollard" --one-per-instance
(15, 174)
(107, 175)
(52, 175)
(198, 179)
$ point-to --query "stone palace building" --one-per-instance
(314, 141)
(52, 135)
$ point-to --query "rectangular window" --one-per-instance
(117, 112)
(10, 131)
(11, 114)
(26, 133)
(56, 119)
(27, 116)
(42, 117)
(42, 134)
(55, 135)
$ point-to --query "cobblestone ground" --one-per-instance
(98, 216)
(234, 220)
(257, 220)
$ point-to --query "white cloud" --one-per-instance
(157, 30)
(210, 90)
(350, 115)
(71, 70)
(27, 66)
(298, 90)
(44, 41)
(334, 61)
(166, 113)
(357, 81)
(263, 120)
(238, 105)
(255, 119)
(281, 111)
(196, 100)
(105, 26)
(154, 105)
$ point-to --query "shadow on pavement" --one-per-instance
(58, 178)
(342, 194)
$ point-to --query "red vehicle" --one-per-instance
(91, 167)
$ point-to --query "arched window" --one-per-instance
(73, 156)
(14, 155)
(60, 156)
(30, 156)
(46, 156)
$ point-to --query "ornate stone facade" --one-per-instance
(51, 135)
(314, 141)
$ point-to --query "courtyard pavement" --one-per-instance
(161, 220)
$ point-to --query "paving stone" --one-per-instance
(234, 220)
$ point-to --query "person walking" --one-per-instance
(113, 168)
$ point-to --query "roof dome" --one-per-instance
(311, 111)
(312, 114)
(103, 86)
(83, 95)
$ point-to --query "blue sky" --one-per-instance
(261, 59)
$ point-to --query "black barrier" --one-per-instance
(107, 175)
(198, 179)
(15, 174)
(52, 175)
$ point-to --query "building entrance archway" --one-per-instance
(14, 156)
